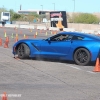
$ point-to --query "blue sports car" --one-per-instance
(76, 46)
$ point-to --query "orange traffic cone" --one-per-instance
(6, 44)
(16, 38)
(7, 39)
(97, 66)
(53, 32)
(0, 42)
(34, 36)
(20, 32)
(4, 97)
(26, 37)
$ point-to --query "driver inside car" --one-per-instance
(63, 37)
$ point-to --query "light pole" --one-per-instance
(54, 6)
(74, 6)
(3, 8)
(73, 11)
(42, 7)
(15, 5)
(41, 12)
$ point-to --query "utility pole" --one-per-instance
(54, 6)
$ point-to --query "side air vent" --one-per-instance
(35, 47)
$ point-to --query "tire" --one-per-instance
(23, 51)
(82, 56)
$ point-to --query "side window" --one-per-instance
(60, 37)
(55, 38)
(63, 37)
(77, 38)
(70, 37)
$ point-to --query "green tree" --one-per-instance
(31, 16)
(16, 16)
(12, 12)
(35, 15)
(3, 9)
(42, 16)
(85, 18)
(69, 18)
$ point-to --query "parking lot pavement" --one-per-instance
(46, 79)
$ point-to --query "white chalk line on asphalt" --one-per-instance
(91, 72)
(77, 68)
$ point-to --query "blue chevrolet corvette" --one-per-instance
(76, 46)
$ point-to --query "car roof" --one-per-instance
(92, 36)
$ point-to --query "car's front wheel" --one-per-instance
(23, 51)
(82, 56)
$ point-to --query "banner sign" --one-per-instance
(58, 19)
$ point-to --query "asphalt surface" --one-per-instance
(44, 79)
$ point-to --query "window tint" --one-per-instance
(70, 37)
(60, 37)
(77, 38)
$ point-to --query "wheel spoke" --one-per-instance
(79, 55)
(82, 56)
(85, 58)
(81, 60)
(21, 50)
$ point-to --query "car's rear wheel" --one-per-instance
(23, 51)
(82, 56)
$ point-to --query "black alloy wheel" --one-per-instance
(23, 51)
(82, 56)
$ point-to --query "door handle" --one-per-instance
(71, 41)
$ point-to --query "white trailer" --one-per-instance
(5, 17)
